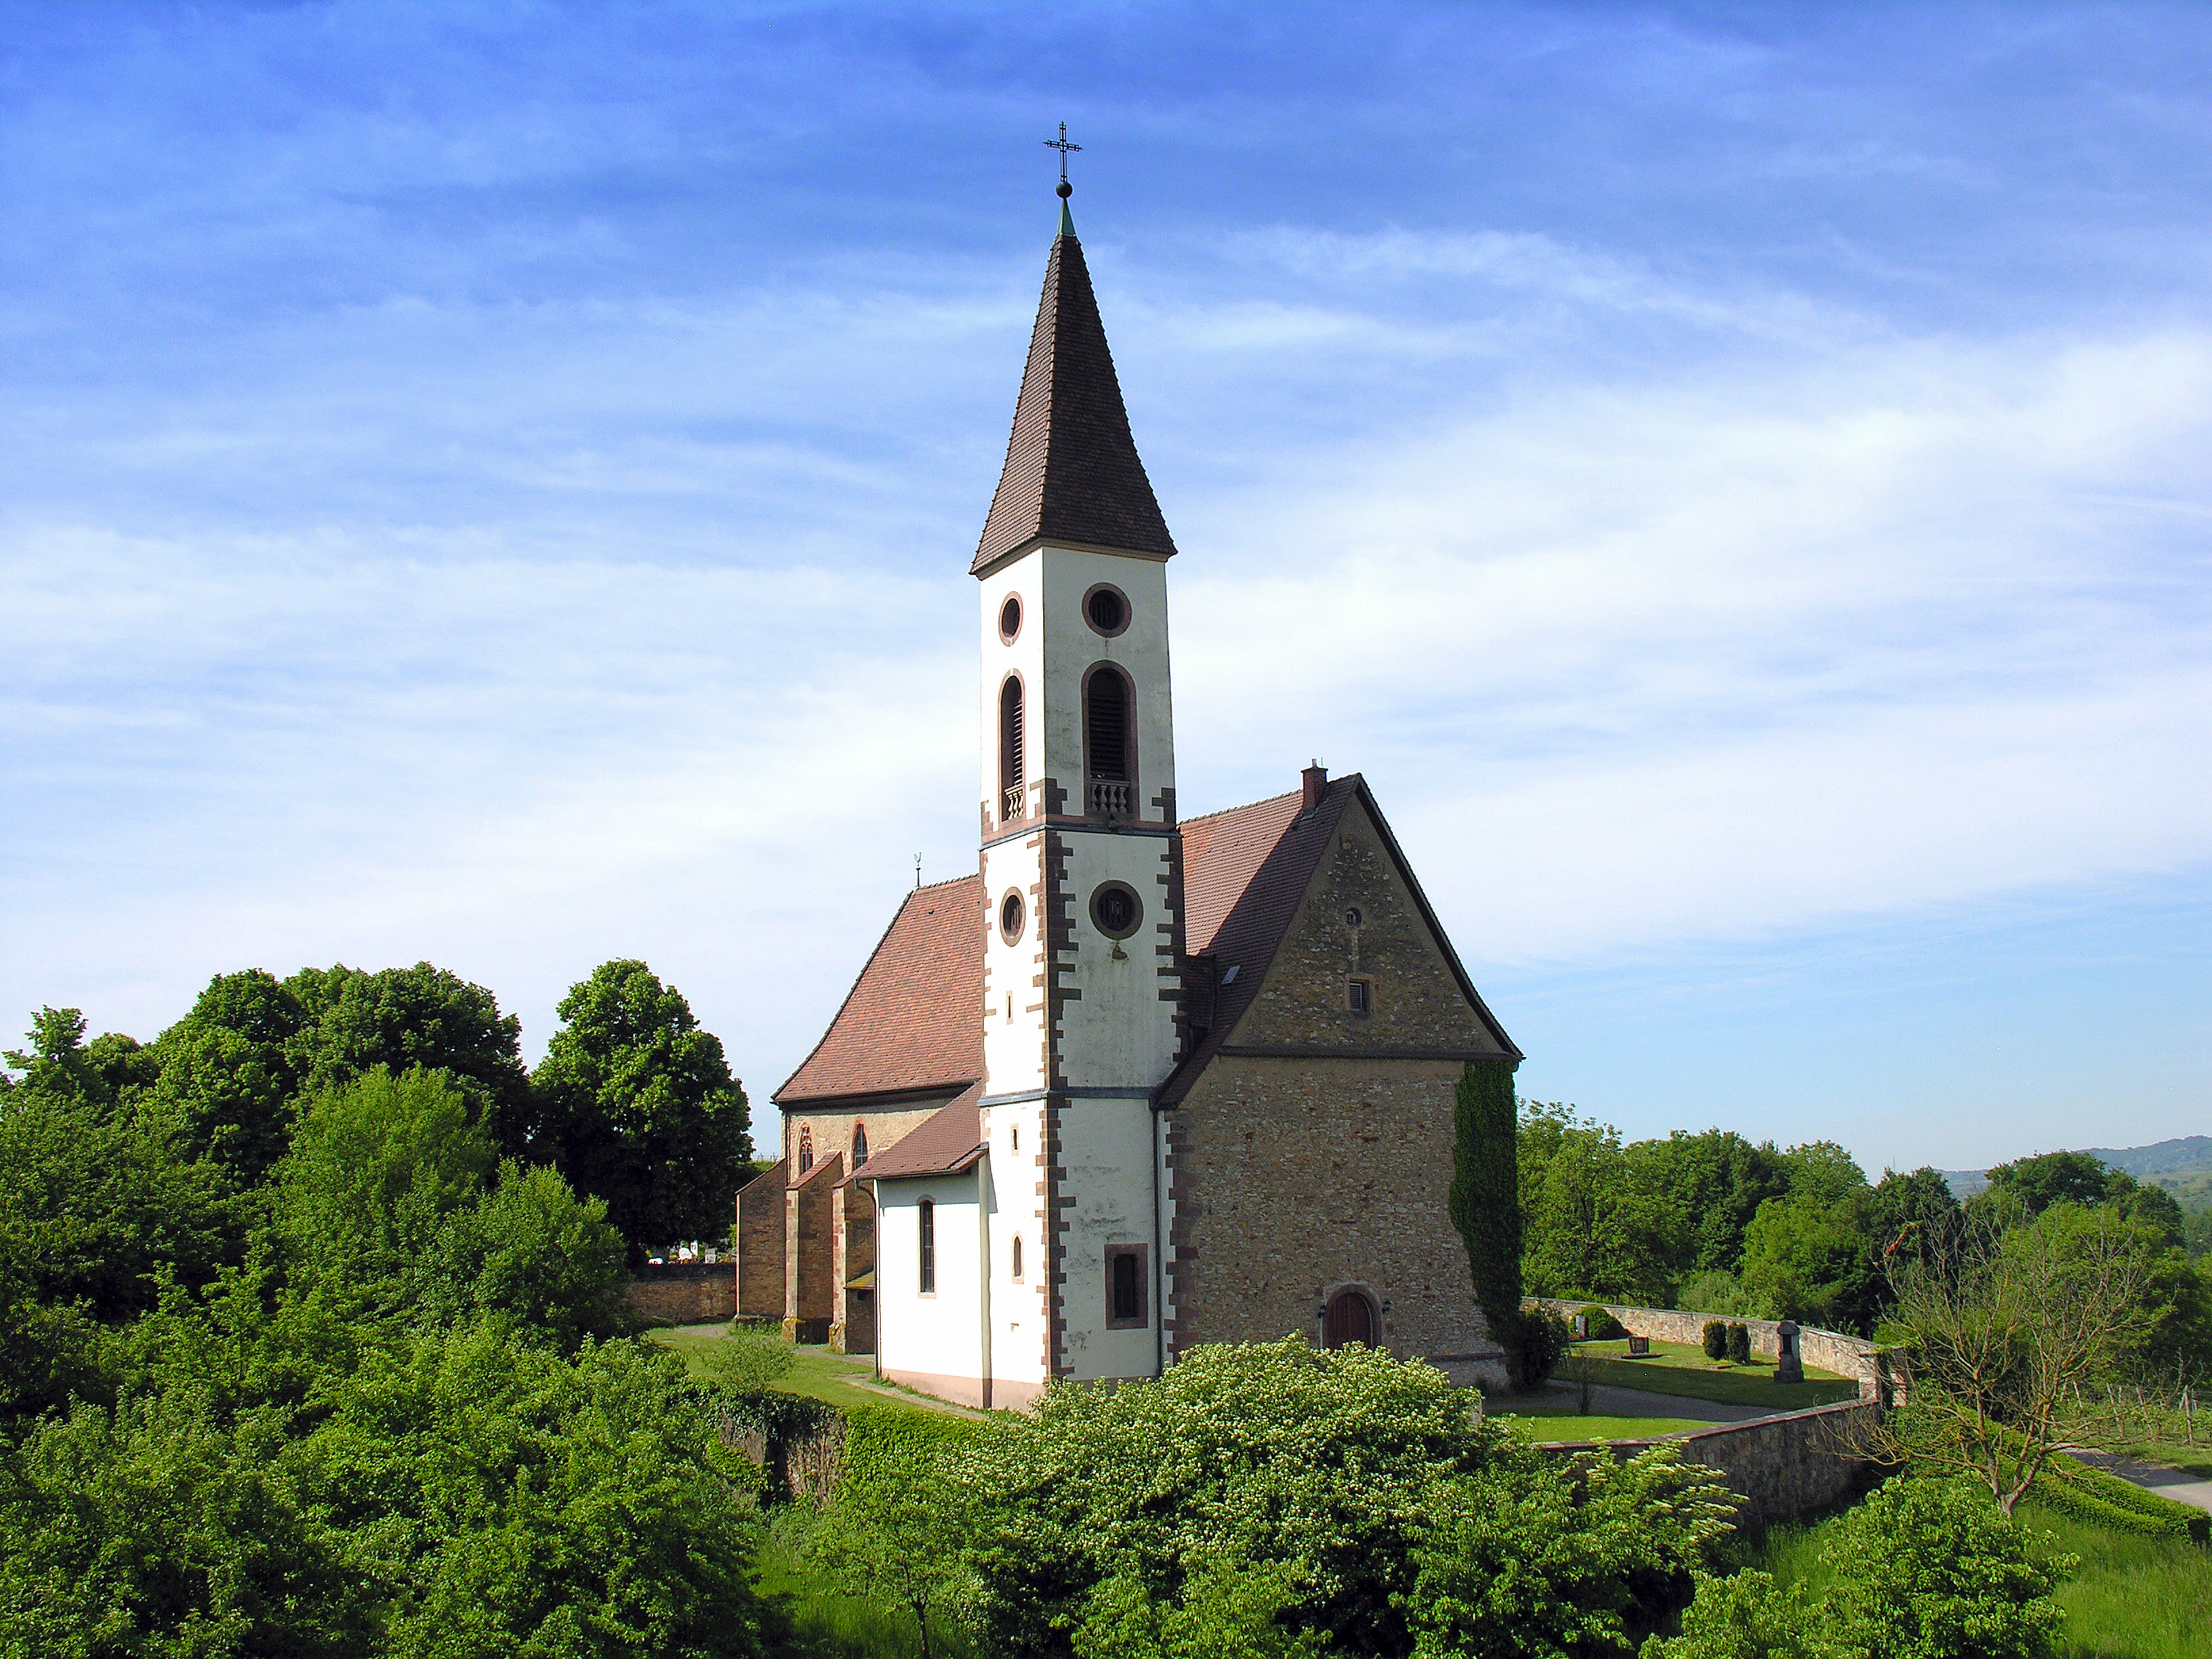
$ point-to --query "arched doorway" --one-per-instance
(1349, 1318)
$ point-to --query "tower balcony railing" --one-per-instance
(1016, 804)
(1110, 799)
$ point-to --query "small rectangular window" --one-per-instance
(1125, 1287)
(1361, 995)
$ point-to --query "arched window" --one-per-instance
(859, 1144)
(1108, 744)
(1010, 749)
(925, 1225)
(805, 1147)
(1106, 723)
(1018, 1255)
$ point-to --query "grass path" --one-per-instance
(816, 1373)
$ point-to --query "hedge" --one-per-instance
(2086, 1493)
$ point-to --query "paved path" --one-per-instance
(1608, 1402)
(2166, 1483)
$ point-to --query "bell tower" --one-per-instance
(1081, 859)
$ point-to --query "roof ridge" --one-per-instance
(1224, 811)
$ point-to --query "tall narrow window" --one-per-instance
(1106, 713)
(859, 1144)
(1010, 750)
(805, 1147)
(925, 1223)
(1018, 1255)
(1125, 1287)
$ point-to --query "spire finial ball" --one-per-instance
(1065, 190)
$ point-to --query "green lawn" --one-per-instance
(1569, 1425)
(2133, 1598)
(1681, 1369)
(816, 1373)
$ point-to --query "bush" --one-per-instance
(1263, 1498)
(1540, 1339)
(749, 1357)
(1600, 1326)
(1716, 1339)
(1930, 1570)
(1739, 1344)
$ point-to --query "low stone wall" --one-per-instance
(684, 1292)
(1830, 1350)
(1782, 1467)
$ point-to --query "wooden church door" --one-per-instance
(1349, 1318)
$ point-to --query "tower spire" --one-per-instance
(1072, 472)
(1066, 189)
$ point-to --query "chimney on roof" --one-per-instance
(1316, 779)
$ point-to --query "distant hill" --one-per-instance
(2182, 1167)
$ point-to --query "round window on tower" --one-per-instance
(1106, 608)
(1011, 917)
(1115, 910)
(1010, 619)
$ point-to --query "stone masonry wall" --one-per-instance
(684, 1292)
(1829, 1350)
(758, 1236)
(1782, 1466)
(1417, 1002)
(1295, 1178)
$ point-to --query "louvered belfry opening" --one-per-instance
(1010, 788)
(1106, 741)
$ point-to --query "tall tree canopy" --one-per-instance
(637, 1106)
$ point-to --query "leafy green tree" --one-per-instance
(1903, 1206)
(231, 1070)
(899, 1527)
(1514, 1560)
(639, 1109)
(1807, 1260)
(1589, 1230)
(377, 1169)
(2050, 1178)
(403, 1017)
(103, 1197)
(1708, 1186)
(1824, 1172)
(162, 1528)
(388, 1203)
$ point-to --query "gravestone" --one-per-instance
(1788, 1365)
(1639, 1345)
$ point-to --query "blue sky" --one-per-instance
(494, 483)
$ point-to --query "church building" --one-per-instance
(1143, 1080)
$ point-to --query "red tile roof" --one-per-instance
(915, 1018)
(948, 1141)
(1072, 472)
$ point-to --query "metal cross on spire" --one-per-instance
(1061, 144)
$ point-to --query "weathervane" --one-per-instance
(1061, 144)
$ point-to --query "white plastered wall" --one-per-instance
(1023, 580)
(936, 1342)
(1117, 1033)
(1072, 647)
(1107, 1146)
(1020, 1308)
(1013, 1041)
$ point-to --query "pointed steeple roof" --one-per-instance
(1072, 472)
